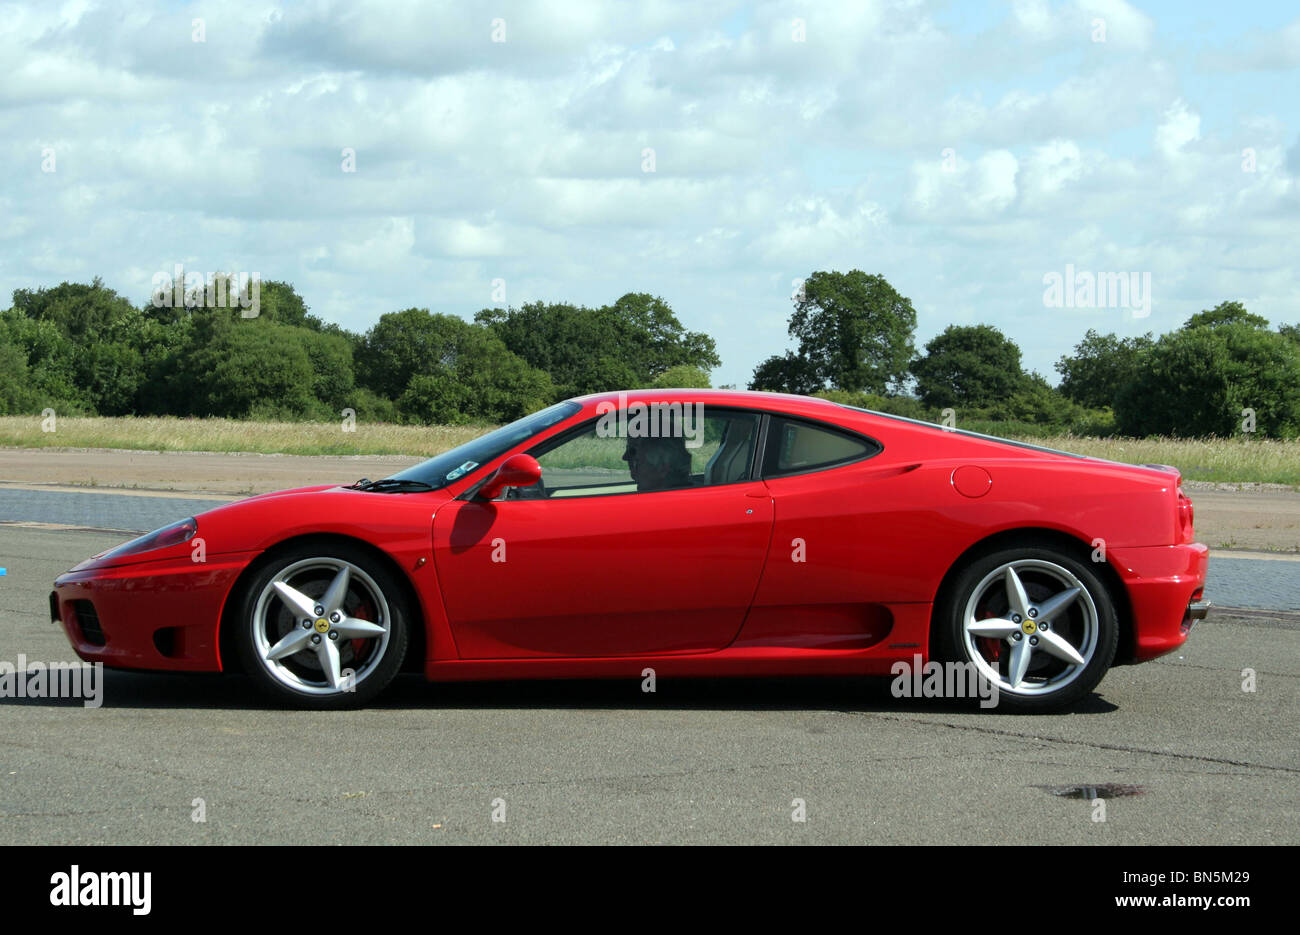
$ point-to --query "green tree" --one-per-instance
(1102, 365)
(440, 368)
(1036, 401)
(481, 382)
(1197, 381)
(280, 302)
(788, 374)
(682, 376)
(50, 359)
(248, 365)
(81, 345)
(1225, 313)
(371, 407)
(588, 350)
(166, 348)
(584, 350)
(855, 330)
(330, 356)
(78, 310)
(415, 341)
(16, 395)
(971, 366)
(403, 344)
(657, 341)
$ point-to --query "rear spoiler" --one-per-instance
(1167, 469)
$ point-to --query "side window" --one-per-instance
(586, 465)
(796, 447)
(706, 448)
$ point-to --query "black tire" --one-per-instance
(268, 621)
(1049, 681)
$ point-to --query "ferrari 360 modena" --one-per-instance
(692, 532)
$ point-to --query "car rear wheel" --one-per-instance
(1037, 623)
(323, 627)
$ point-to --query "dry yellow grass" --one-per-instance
(1240, 460)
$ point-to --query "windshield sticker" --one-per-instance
(462, 470)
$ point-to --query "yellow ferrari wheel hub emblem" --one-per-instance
(1029, 626)
(322, 625)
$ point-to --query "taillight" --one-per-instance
(1186, 518)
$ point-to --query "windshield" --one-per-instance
(452, 465)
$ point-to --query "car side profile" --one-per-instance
(695, 532)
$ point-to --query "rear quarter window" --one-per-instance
(797, 447)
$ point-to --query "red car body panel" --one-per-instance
(828, 572)
(602, 580)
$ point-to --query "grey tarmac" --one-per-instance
(698, 761)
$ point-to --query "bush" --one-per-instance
(1196, 382)
(683, 376)
(16, 395)
(371, 407)
(1097, 423)
(250, 365)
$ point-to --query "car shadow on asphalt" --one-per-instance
(147, 690)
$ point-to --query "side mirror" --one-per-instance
(518, 471)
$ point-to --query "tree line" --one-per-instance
(83, 349)
(1223, 372)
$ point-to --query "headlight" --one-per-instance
(175, 534)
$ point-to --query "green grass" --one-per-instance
(1234, 460)
(167, 433)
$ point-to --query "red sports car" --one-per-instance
(691, 532)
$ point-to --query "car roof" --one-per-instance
(811, 406)
(758, 399)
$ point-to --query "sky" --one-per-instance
(456, 156)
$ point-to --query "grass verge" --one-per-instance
(166, 433)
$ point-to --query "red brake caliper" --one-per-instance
(363, 612)
(990, 648)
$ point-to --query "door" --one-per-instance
(627, 546)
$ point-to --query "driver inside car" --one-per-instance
(658, 463)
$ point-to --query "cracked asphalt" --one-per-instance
(716, 761)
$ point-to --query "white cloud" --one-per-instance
(959, 190)
(523, 160)
(1181, 126)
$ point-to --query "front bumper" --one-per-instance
(1165, 585)
(162, 614)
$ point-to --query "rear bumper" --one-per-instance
(1165, 585)
(161, 615)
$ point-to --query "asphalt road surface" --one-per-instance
(1191, 756)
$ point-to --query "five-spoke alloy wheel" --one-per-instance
(323, 627)
(1035, 622)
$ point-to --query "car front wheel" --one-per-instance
(323, 627)
(1037, 623)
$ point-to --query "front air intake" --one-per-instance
(88, 623)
